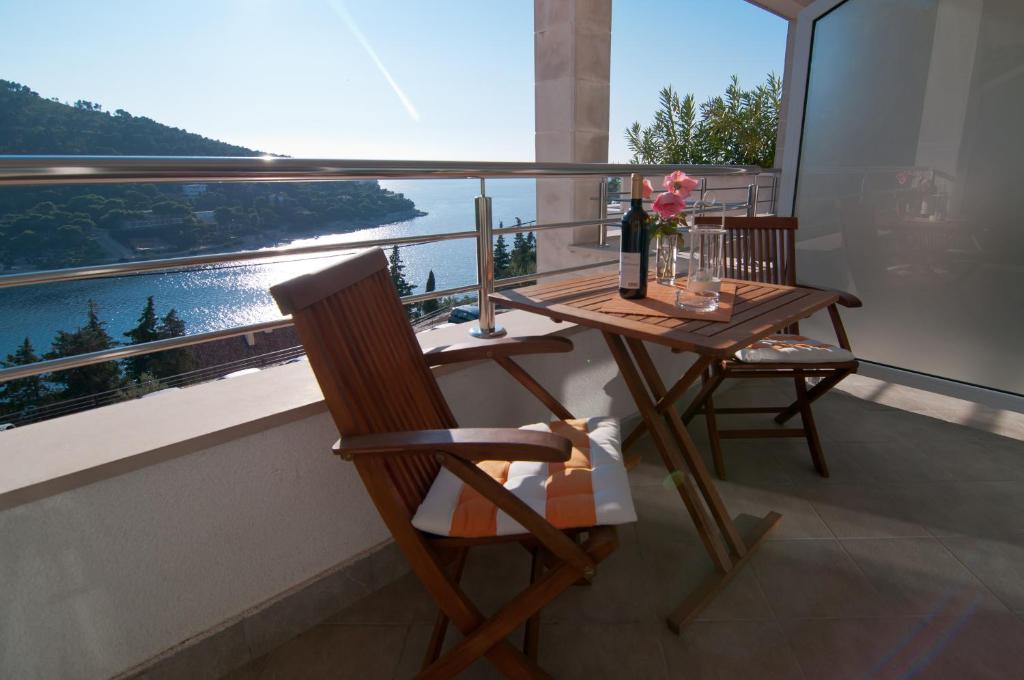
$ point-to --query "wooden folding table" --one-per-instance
(760, 309)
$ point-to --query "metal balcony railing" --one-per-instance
(58, 170)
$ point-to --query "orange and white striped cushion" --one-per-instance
(590, 489)
(793, 349)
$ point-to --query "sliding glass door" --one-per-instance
(910, 180)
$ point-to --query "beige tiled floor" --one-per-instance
(908, 562)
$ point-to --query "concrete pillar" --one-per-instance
(787, 86)
(572, 53)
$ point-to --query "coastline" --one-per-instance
(268, 239)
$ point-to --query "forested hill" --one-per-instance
(61, 226)
(30, 124)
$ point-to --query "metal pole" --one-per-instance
(486, 328)
(602, 213)
(703, 190)
(751, 200)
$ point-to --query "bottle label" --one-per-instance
(629, 270)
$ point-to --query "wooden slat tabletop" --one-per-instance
(761, 309)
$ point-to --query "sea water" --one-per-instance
(213, 298)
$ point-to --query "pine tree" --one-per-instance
(502, 258)
(173, 361)
(397, 271)
(22, 394)
(430, 306)
(87, 380)
(522, 259)
(145, 331)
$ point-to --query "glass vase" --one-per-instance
(704, 277)
(666, 249)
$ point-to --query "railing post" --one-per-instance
(752, 199)
(486, 327)
(703, 190)
(775, 195)
(602, 213)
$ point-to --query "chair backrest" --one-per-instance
(759, 249)
(367, 360)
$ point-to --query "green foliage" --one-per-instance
(397, 271)
(739, 127)
(54, 227)
(502, 258)
(173, 361)
(17, 396)
(87, 380)
(523, 259)
(161, 364)
(145, 331)
(430, 306)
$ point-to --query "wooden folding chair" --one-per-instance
(763, 249)
(558, 489)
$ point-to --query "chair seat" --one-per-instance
(793, 349)
(590, 489)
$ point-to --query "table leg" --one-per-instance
(684, 442)
(684, 465)
(670, 457)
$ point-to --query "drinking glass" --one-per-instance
(704, 274)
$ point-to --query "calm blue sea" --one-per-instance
(214, 298)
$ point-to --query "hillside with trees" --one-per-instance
(75, 225)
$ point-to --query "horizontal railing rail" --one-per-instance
(41, 170)
(57, 170)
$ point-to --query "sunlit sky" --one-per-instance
(449, 79)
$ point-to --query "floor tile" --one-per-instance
(677, 569)
(892, 462)
(722, 650)
(813, 579)
(411, 658)
(571, 651)
(799, 518)
(337, 652)
(918, 576)
(865, 511)
(979, 509)
(403, 601)
(976, 645)
(998, 563)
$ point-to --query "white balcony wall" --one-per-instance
(106, 574)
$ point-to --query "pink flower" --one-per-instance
(680, 183)
(668, 205)
(648, 189)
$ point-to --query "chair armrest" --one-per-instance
(467, 443)
(845, 299)
(493, 349)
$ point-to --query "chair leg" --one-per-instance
(810, 429)
(488, 634)
(531, 638)
(812, 394)
(713, 438)
(441, 622)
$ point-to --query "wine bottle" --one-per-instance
(633, 245)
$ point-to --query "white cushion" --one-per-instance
(597, 494)
(793, 349)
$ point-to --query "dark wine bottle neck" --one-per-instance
(637, 203)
